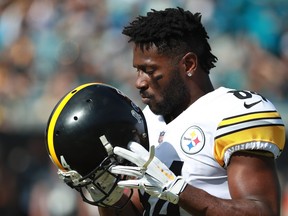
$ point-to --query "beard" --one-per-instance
(174, 97)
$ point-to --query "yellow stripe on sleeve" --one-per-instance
(247, 117)
(268, 138)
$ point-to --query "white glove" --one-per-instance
(102, 192)
(151, 174)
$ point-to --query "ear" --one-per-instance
(190, 61)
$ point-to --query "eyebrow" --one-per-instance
(144, 65)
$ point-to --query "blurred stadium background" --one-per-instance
(48, 47)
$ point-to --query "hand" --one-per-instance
(151, 174)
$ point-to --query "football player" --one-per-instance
(212, 151)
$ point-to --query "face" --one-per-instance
(160, 82)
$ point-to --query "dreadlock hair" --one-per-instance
(174, 32)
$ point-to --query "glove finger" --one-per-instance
(151, 187)
(155, 165)
(138, 149)
(130, 183)
(140, 183)
(129, 155)
(127, 170)
(159, 172)
(150, 156)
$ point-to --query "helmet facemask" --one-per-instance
(98, 187)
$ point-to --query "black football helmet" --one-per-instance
(82, 130)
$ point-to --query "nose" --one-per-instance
(141, 81)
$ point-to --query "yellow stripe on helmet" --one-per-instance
(53, 121)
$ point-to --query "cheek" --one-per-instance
(160, 88)
(164, 93)
(164, 83)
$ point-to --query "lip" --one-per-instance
(145, 100)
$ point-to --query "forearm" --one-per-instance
(198, 202)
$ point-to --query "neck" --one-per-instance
(196, 90)
(200, 88)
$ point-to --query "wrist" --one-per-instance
(174, 189)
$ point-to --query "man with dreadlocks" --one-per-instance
(212, 150)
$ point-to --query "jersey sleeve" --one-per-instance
(260, 130)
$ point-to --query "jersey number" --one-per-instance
(172, 209)
(246, 95)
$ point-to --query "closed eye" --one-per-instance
(147, 69)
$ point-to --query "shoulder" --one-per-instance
(249, 122)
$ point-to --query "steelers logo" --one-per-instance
(193, 140)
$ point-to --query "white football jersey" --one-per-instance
(198, 144)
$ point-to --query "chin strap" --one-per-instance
(71, 178)
(106, 144)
